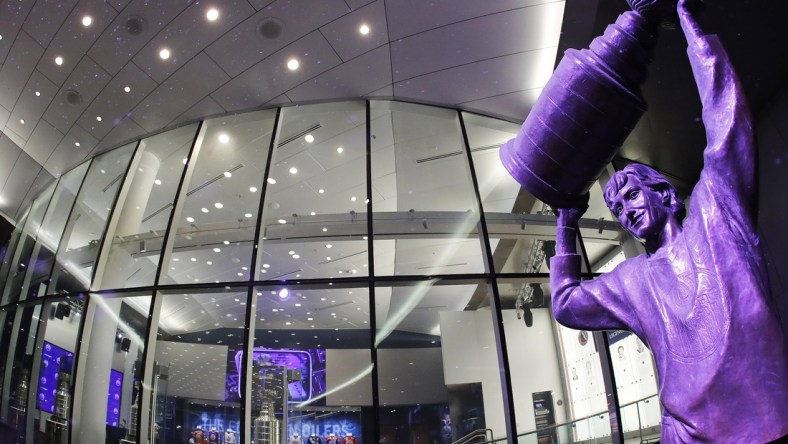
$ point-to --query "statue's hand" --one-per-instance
(651, 10)
(569, 216)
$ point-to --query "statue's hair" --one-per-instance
(649, 177)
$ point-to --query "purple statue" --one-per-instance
(699, 296)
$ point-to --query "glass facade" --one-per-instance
(349, 272)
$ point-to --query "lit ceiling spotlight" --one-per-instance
(208, 262)
(312, 213)
(321, 191)
(296, 256)
(190, 219)
(98, 118)
(328, 258)
(364, 29)
(228, 174)
(218, 205)
(204, 210)
(164, 54)
(248, 215)
(282, 221)
(271, 180)
(127, 89)
(226, 242)
(157, 182)
(76, 144)
(194, 259)
(224, 138)
(22, 121)
(353, 198)
(38, 93)
(87, 20)
(340, 150)
(58, 60)
(329, 245)
(293, 170)
(283, 293)
(217, 250)
(309, 138)
(325, 229)
(212, 15)
(291, 252)
(292, 64)
(252, 189)
(266, 266)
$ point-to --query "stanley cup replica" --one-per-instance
(267, 429)
(588, 107)
(57, 424)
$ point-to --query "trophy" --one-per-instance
(586, 110)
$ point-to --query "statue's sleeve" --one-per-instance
(598, 304)
(729, 157)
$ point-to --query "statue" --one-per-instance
(699, 297)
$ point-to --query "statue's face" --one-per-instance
(641, 210)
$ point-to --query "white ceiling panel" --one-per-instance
(17, 68)
(344, 36)
(408, 17)
(19, 181)
(189, 34)
(67, 154)
(179, 92)
(117, 45)
(352, 79)
(126, 130)
(45, 19)
(88, 79)
(496, 35)
(16, 138)
(31, 110)
(513, 104)
(270, 77)
(204, 108)
(515, 72)
(12, 15)
(74, 39)
(43, 141)
(114, 103)
(9, 151)
(244, 46)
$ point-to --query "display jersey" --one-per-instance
(295, 439)
(314, 440)
(229, 438)
(350, 440)
(332, 439)
(700, 302)
(199, 437)
(214, 437)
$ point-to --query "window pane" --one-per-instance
(197, 336)
(40, 266)
(144, 208)
(79, 246)
(216, 222)
(438, 372)
(110, 368)
(315, 215)
(425, 215)
(321, 339)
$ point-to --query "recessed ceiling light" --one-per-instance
(224, 138)
(266, 265)
(309, 138)
(252, 189)
(127, 88)
(291, 252)
(328, 258)
(218, 205)
(204, 210)
(282, 221)
(212, 14)
(87, 20)
(228, 174)
(38, 93)
(1, 37)
(58, 60)
(226, 242)
(157, 182)
(194, 259)
(292, 64)
(248, 215)
(296, 256)
(364, 29)
(340, 149)
(312, 213)
(321, 191)
(164, 54)
(353, 198)
(329, 245)
(209, 262)
(190, 219)
(76, 143)
(272, 181)
(325, 229)
(22, 121)
(98, 118)
(293, 170)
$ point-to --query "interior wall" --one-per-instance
(772, 136)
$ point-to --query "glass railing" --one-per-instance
(640, 422)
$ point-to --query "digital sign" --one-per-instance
(113, 397)
(52, 357)
(311, 363)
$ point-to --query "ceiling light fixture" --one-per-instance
(228, 174)
(218, 205)
(329, 245)
(87, 20)
(252, 189)
(164, 54)
(217, 250)
(296, 256)
(364, 29)
(271, 180)
(266, 265)
(292, 64)
(312, 213)
(190, 219)
(76, 143)
(340, 150)
(204, 210)
(127, 89)
(22, 121)
(293, 170)
(58, 60)
(353, 198)
(212, 15)
(224, 138)
(321, 191)
(282, 221)
(309, 138)
(248, 215)
(157, 182)
(38, 93)
(226, 242)
(98, 118)
(283, 293)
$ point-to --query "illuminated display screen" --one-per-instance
(51, 358)
(113, 397)
(311, 363)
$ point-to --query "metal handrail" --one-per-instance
(474, 434)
